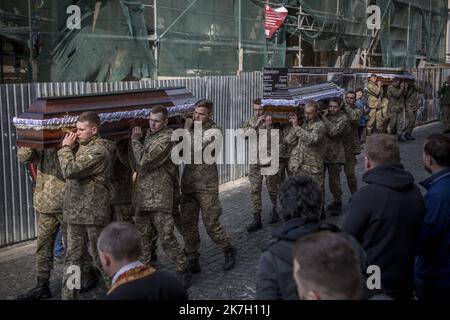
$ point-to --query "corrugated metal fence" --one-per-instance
(232, 96)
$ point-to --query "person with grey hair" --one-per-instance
(327, 267)
(119, 248)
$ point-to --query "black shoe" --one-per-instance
(41, 291)
(335, 208)
(230, 258)
(185, 277)
(89, 283)
(401, 138)
(254, 226)
(446, 131)
(274, 218)
(194, 266)
(154, 256)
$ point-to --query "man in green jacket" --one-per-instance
(444, 93)
(86, 162)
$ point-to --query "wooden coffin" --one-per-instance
(387, 75)
(47, 119)
(281, 106)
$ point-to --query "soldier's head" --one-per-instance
(159, 118)
(334, 106)
(436, 153)
(359, 93)
(381, 149)
(310, 111)
(118, 245)
(258, 109)
(327, 266)
(350, 98)
(88, 125)
(396, 82)
(203, 111)
(373, 78)
(298, 197)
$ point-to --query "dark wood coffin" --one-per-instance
(387, 75)
(290, 99)
(42, 135)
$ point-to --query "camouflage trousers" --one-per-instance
(209, 206)
(446, 119)
(410, 119)
(334, 180)
(376, 121)
(48, 224)
(284, 170)
(81, 241)
(122, 212)
(164, 223)
(349, 169)
(396, 123)
(256, 181)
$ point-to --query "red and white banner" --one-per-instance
(273, 19)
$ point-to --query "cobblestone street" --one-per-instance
(17, 262)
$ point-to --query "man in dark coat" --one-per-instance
(385, 216)
(119, 247)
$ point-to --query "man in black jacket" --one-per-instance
(120, 247)
(385, 216)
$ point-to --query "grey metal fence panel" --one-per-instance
(232, 96)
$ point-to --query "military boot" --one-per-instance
(274, 218)
(230, 258)
(335, 208)
(194, 266)
(401, 138)
(90, 280)
(41, 291)
(256, 223)
(185, 277)
(408, 136)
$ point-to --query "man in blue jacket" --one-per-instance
(432, 269)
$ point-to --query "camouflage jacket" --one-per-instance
(350, 139)
(396, 99)
(412, 98)
(201, 178)
(251, 124)
(335, 126)
(373, 95)
(444, 91)
(157, 174)
(87, 170)
(123, 167)
(307, 154)
(49, 186)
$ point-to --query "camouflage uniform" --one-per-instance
(86, 211)
(285, 152)
(375, 115)
(154, 194)
(200, 192)
(255, 177)
(352, 146)
(334, 155)
(48, 201)
(122, 182)
(307, 154)
(411, 108)
(396, 110)
(445, 92)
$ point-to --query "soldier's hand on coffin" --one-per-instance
(379, 83)
(70, 139)
(137, 133)
(325, 113)
(261, 119)
(293, 119)
(188, 123)
(268, 122)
